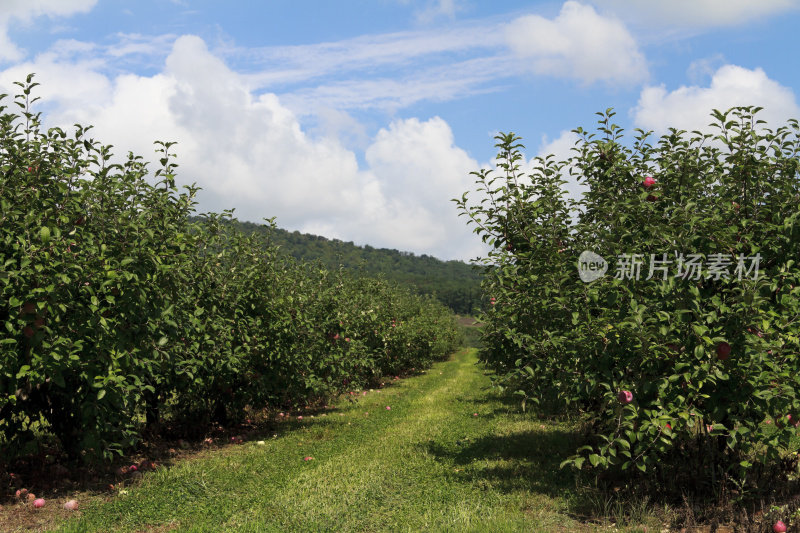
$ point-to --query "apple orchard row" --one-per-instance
(679, 378)
(121, 316)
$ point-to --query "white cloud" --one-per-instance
(250, 153)
(439, 83)
(431, 10)
(704, 68)
(697, 13)
(689, 108)
(374, 53)
(437, 9)
(385, 71)
(420, 170)
(579, 43)
(26, 9)
(8, 50)
(72, 84)
(23, 11)
(334, 123)
(136, 44)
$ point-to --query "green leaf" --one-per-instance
(699, 352)
(44, 234)
(23, 371)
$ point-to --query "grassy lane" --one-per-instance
(427, 464)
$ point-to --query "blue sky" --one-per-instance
(360, 120)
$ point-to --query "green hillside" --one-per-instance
(454, 283)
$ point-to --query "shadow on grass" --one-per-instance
(528, 460)
(511, 405)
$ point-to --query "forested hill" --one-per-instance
(454, 283)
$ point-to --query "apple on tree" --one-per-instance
(723, 351)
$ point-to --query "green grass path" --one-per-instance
(428, 464)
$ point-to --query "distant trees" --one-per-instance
(454, 283)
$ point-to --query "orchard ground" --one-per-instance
(449, 455)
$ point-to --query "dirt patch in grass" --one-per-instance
(469, 322)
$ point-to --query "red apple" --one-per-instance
(71, 505)
(674, 347)
(649, 181)
(652, 197)
(625, 397)
(723, 350)
(779, 527)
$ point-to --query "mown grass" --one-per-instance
(428, 464)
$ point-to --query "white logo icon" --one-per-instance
(591, 266)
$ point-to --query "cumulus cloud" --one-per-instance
(579, 43)
(249, 152)
(23, 11)
(697, 13)
(689, 107)
(420, 170)
(70, 83)
(704, 68)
